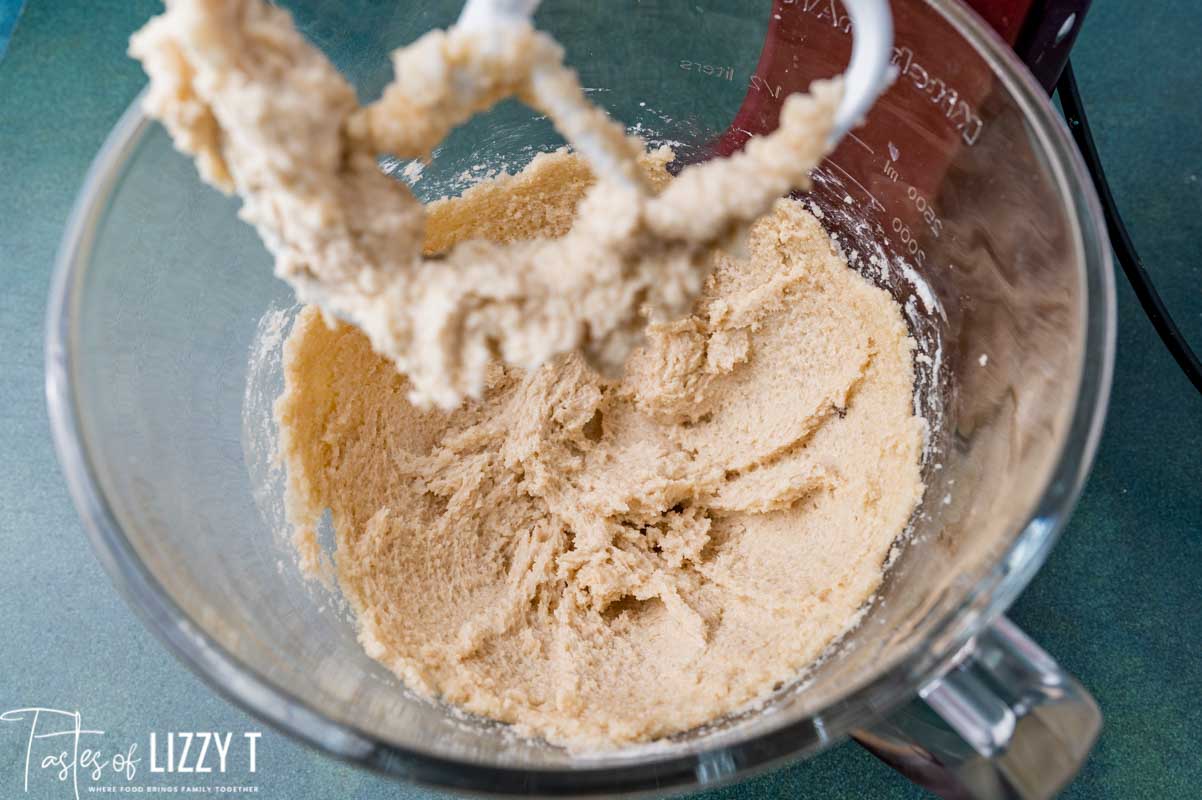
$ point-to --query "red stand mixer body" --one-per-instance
(903, 158)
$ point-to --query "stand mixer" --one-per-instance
(962, 177)
(1041, 33)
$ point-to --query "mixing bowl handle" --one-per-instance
(1004, 722)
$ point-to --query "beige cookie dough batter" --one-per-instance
(265, 114)
(604, 561)
(598, 549)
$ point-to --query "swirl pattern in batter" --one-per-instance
(603, 561)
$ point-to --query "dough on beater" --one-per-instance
(266, 115)
(604, 561)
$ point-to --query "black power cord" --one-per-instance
(1120, 240)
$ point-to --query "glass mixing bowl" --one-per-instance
(961, 195)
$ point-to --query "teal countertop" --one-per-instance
(1117, 603)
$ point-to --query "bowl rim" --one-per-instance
(871, 699)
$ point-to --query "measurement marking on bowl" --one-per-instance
(908, 240)
(761, 85)
(725, 73)
(861, 142)
(871, 196)
(924, 206)
(927, 209)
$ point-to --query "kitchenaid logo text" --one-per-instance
(58, 747)
(960, 114)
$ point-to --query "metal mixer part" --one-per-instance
(497, 19)
(869, 72)
(485, 14)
